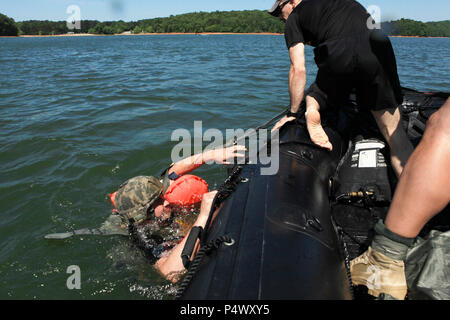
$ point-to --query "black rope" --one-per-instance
(205, 250)
(346, 260)
(263, 126)
(351, 237)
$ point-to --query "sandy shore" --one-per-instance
(143, 34)
(418, 37)
(57, 35)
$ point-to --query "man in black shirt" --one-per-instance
(349, 55)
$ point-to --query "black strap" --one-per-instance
(190, 244)
(300, 114)
(166, 170)
(165, 178)
(173, 176)
(291, 114)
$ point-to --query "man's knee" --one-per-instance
(438, 123)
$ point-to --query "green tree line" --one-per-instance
(407, 27)
(229, 21)
(36, 27)
(250, 21)
(7, 26)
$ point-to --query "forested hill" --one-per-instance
(407, 27)
(255, 21)
(225, 21)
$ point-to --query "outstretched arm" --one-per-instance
(171, 266)
(221, 156)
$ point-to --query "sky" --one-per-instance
(132, 10)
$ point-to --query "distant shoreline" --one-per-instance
(418, 37)
(144, 34)
(177, 33)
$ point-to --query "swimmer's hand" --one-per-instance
(225, 155)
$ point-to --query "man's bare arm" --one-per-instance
(297, 81)
(221, 156)
(171, 266)
(297, 75)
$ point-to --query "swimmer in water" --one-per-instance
(147, 205)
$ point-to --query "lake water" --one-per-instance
(80, 115)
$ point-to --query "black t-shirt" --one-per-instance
(316, 21)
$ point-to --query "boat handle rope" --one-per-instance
(346, 255)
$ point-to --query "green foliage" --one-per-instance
(438, 29)
(34, 27)
(137, 30)
(7, 26)
(220, 21)
(232, 21)
(113, 27)
(407, 27)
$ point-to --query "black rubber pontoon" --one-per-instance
(285, 245)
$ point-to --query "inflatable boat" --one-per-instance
(291, 235)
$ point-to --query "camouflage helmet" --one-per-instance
(136, 195)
